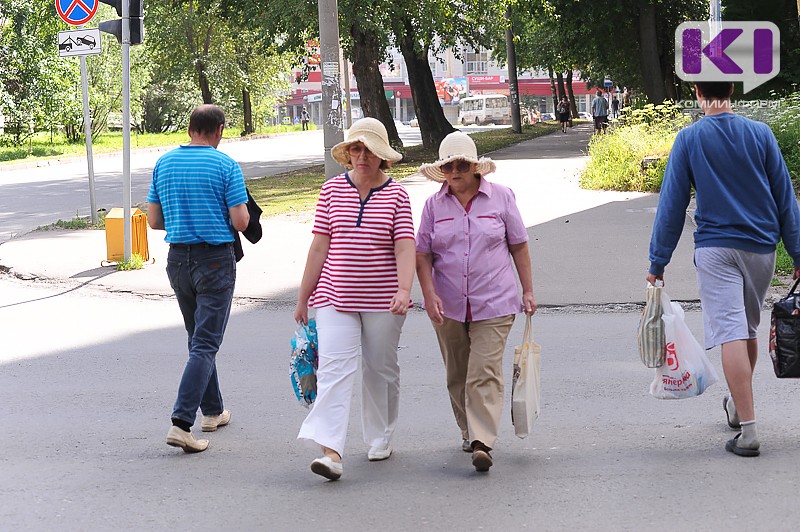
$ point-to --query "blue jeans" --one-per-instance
(203, 278)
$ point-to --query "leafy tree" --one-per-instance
(426, 27)
(38, 86)
(783, 13)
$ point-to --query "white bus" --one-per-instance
(484, 109)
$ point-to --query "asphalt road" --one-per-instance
(86, 414)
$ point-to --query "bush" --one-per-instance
(136, 262)
(783, 262)
(785, 123)
(632, 155)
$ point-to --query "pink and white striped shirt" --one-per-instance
(360, 272)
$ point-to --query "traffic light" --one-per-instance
(136, 14)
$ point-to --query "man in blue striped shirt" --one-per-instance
(198, 196)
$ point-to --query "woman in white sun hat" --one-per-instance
(358, 278)
(470, 234)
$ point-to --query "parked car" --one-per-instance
(584, 115)
(413, 123)
(547, 116)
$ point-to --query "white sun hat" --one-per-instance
(454, 147)
(372, 133)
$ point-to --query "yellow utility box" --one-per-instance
(115, 234)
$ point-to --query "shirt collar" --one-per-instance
(484, 187)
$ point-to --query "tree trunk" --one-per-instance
(650, 63)
(247, 108)
(432, 123)
(553, 88)
(560, 85)
(513, 85)
(669, 82)
(366, 61)
(572, 105)
(202, 79)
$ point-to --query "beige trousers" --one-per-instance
(473, 359)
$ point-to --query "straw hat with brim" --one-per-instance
(457, 146)
(370, 132)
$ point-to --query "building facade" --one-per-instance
(455, 78)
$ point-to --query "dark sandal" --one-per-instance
(733, 447)
(731, 424)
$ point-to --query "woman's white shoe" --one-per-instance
(376, 454)
(327, 468)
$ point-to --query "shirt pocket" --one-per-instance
(443, 233)
(491, 228)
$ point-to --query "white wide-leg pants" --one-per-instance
(341, 336)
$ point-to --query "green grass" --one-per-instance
(136, 262)
(43, 145)
(76, 223)
(783, 262)
(615, 159)
(297, 191)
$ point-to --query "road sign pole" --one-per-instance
(87, 131)
(331, 89)
(126, 129)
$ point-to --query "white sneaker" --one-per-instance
(376, 454)
(327, 468)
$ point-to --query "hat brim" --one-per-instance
(373, 143)
(433, 171)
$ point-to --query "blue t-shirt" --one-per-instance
(744, 195)
(195, 186)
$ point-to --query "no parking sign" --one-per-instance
(76, 12)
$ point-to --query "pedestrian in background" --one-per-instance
(198, 196)
(304, 118)
(600, 112)
(614, 107)
(358, 276)
(745, 205)
(563, 113)
(470, 233)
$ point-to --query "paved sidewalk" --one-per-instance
(588, 247)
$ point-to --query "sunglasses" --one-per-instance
(356, 150)
(460, 167)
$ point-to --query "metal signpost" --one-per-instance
(331, 89)
(81, 42)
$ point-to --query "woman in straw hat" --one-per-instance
(470, 232)
(358, 277)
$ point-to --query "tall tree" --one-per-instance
(41, 90)
(366, 55)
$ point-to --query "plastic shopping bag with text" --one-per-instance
(686, 371)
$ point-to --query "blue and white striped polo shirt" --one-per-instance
(195, 186)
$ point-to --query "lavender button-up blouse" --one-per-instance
(471, 259)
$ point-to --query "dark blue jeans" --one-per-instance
(203, 278)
